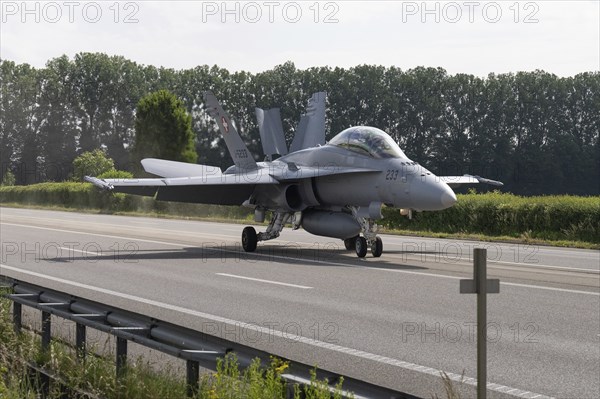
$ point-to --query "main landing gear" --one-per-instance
(250, 238)
(361, 246)
(369, 239)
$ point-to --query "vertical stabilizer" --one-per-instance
(311, 128)
(242, 158)
(271, 131)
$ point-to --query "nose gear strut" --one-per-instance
(369, 239)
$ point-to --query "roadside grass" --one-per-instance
(94, 377)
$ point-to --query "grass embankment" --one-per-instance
(555, 220)
(96, 376)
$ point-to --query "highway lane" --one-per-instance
(394, 321)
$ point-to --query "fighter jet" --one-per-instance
(334, 189)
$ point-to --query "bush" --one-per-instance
(115, 174)
(561, 217)
(91, 163)
(8, 179)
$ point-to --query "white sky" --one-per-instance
(478, 37)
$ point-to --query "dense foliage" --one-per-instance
(547, 217)
(537, 132)
(163, 129)
(556, 218)
(91, 163)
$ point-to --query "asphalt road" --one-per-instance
(396, 321)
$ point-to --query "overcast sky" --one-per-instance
(478, 37)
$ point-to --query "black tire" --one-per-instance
(377, 248)
(350, 243)
(249, 239)
(360, 246)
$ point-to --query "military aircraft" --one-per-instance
(334, 189)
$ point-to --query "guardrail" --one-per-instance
(197, 349)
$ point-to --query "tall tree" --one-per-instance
(59, 127)
(20, 121)
(163, 129)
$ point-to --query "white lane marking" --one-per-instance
(100, 235)
(271, 257)
(278, 334)
(505, 245)
(531, 265)
(264, 281)
(552, 289)
(501, 283)
(81, 251)
(144, 228)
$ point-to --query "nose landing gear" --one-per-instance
(369, 239)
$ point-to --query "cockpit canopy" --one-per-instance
(369, 141)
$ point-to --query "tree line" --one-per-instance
(535, 131)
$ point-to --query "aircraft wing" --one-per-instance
(455, 181)
(229, 189)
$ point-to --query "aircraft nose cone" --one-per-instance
(431, 195)
(448, 198)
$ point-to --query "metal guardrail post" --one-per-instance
(80, 341)
(46, 338)
(192, 377)
(17, 316)
(121, 356)
(46, 330)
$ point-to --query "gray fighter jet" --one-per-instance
(334, 189)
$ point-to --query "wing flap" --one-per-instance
(164, 168)
(234, 194)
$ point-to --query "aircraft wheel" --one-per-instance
(377, 248)
(349, 243)
(249, 239)
(360, 246)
